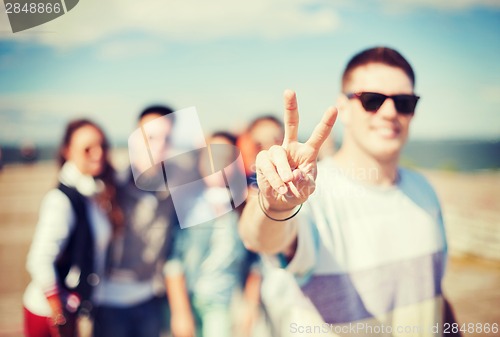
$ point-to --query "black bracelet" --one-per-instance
(274, 219)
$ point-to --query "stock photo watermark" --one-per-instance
(364, 329)
(170, 154)
(26, 14)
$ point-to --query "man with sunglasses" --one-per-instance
(367, 252)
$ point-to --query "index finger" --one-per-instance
(323, 129)
(291, 118)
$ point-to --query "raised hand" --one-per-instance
(286, 174)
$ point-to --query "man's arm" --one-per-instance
(263, 235)
(286, 177)
(181, 321)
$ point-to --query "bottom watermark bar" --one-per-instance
(365, 329)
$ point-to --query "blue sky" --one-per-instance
(108, 60)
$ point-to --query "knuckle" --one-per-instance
(261, 156)
(275, 182)
(276, 149)
(312, 188)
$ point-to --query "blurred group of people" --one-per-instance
(115, 255)
(110, 259)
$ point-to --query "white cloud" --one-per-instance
(114, 50)
(42, 116)
(191, 20)
(408, 5)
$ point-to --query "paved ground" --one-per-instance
(472, 284)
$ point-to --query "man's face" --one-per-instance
(220, 157)
(157, 130)
(383, 133)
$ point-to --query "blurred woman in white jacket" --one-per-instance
(77, 219)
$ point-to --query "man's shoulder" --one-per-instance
(416, 186)
(409, 178)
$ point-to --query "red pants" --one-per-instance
(40, 326)
(36, 326)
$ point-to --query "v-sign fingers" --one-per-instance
(291, 117)
(323, 129)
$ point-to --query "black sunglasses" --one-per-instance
(372, 101)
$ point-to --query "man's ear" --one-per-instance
(343, 107)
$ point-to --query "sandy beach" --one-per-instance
(471, 206)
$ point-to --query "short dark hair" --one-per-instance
(383, 55)
(231, 138)
(161, 110)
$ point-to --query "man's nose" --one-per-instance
(388, 109)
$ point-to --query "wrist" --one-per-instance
(58, 319)
(277, 214)
(272, 205)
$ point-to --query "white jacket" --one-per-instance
(55, 223)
